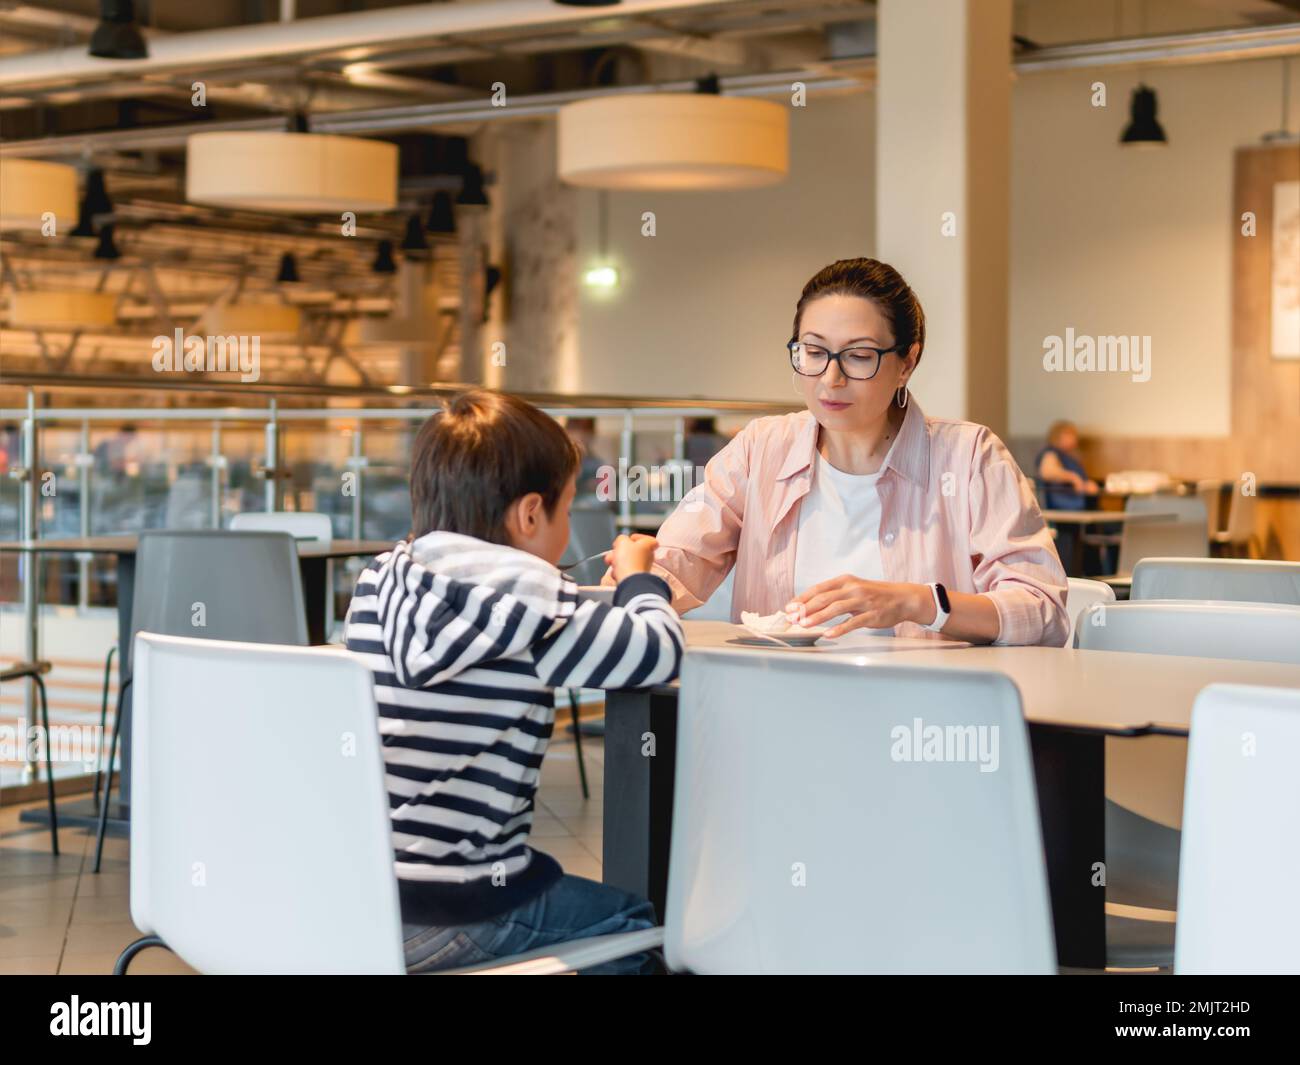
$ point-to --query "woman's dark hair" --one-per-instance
(870, 279)
(479, 455)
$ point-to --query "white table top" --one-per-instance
(1105, 691)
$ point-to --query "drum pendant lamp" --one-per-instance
(306, 173)
(667, 141)
(32, 189)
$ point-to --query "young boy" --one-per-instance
(468, 627)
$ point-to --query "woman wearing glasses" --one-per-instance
(861, 512)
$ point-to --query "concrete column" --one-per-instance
(943, 103)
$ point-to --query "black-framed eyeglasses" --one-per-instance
(857, 363)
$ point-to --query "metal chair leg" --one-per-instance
(577, 742)
(132, 949)
(49, 762)
(108, 780)
(103, 718)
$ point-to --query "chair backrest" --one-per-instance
(813, 831)
(591, 529)
(1241, 516)
(219, 585)
(1240, 860)
(1186, 535)
(718, 606)
(260, 832)
(1211, 494)
(301, 524)
(1236, 580)
(1248, 632)
(1082, 594)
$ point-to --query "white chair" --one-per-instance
(1249, 632)
(718, 606)
(1082, 594)
(591, 530)
(245, 879)
(292, 870)
(1142, 851)
(1239, 536)
(301, 524)
(1186, 535)
(1210, 492)
(1236, 580)
(1240, 858)
(802, 845)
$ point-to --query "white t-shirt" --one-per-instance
(839, 531)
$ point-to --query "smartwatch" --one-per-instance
(942, 608)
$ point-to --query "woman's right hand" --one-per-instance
(631, 554)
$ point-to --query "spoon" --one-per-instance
(575, 565)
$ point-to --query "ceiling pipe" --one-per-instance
(405, 117)
(835, 75)
(303, 37)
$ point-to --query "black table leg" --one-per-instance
(639, 792)
(314, 593)
(1070, 772)
(125, 606)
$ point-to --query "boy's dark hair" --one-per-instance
(481, 453)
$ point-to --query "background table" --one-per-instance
(1072, 701)
(313, 557)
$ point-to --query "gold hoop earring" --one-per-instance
(902, 391)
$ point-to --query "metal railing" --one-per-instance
(276, 408)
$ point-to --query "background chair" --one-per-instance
(211, 875)
(1210, 492)
(1238, 538)
(591, 530)
(1184, 536)
(1240, 859)
(792, 854)
(1231, 580)
(1145, 777)
(1082, 594)
(239, 585)
(718, 605)
(302, 524)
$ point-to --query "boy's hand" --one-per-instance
(631, 554)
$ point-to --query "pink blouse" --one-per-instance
(955, 508)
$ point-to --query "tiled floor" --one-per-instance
(56, 916)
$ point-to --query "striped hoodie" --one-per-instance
(467, 640)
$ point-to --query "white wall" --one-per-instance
(1104, 239)
(705, 306)
(1122, 241)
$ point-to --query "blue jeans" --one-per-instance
(572, 908)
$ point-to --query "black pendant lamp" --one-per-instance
(1143, 130)
(588, 3)
(441, 220)
(288, 274)
(414, 244)
(472, 193)
(107, 248)
(117, 36)
(94, 202)
(384, 263)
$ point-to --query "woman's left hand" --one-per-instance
(872, 604)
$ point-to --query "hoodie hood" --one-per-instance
(448, 602)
